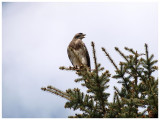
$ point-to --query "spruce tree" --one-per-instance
(139, 88)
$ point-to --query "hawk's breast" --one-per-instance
(81, 54)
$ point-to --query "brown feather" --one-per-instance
(80, 50)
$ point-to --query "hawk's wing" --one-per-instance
(87, 56)
(70, 54)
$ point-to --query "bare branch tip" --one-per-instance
(146, 45)
(116, 48)
(92, 43)
(125, 48)
(62, 68)
(44, 89)
(103, 49)
(49, 87)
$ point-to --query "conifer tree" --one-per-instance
(139, 88)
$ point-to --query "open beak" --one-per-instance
(84, 35)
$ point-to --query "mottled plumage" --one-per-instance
(80, 50)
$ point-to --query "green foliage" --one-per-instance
(139, 88)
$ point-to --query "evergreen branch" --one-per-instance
(74, 68)
(69, 68)
(103, 49)
(114, 98)
(94, 56)
(146, 47)
(148, 61)
(117, 49)
(130, 73)
(99, 93)
(118, 101)
(135, 77)
(117, 91)
(85, 104)
(57, 92)
(79, 79)
(149, 68)
(139, 74)
(132, 51)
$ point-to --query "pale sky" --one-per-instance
(35, 37)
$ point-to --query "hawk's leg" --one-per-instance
(81, 66)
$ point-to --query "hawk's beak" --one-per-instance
(84, 35)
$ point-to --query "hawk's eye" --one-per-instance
(80, 33)
(77, 36)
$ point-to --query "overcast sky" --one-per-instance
(35, 37)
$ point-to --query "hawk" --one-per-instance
(77, 51)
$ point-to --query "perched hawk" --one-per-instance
(77, 51)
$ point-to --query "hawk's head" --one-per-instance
(79, 36)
